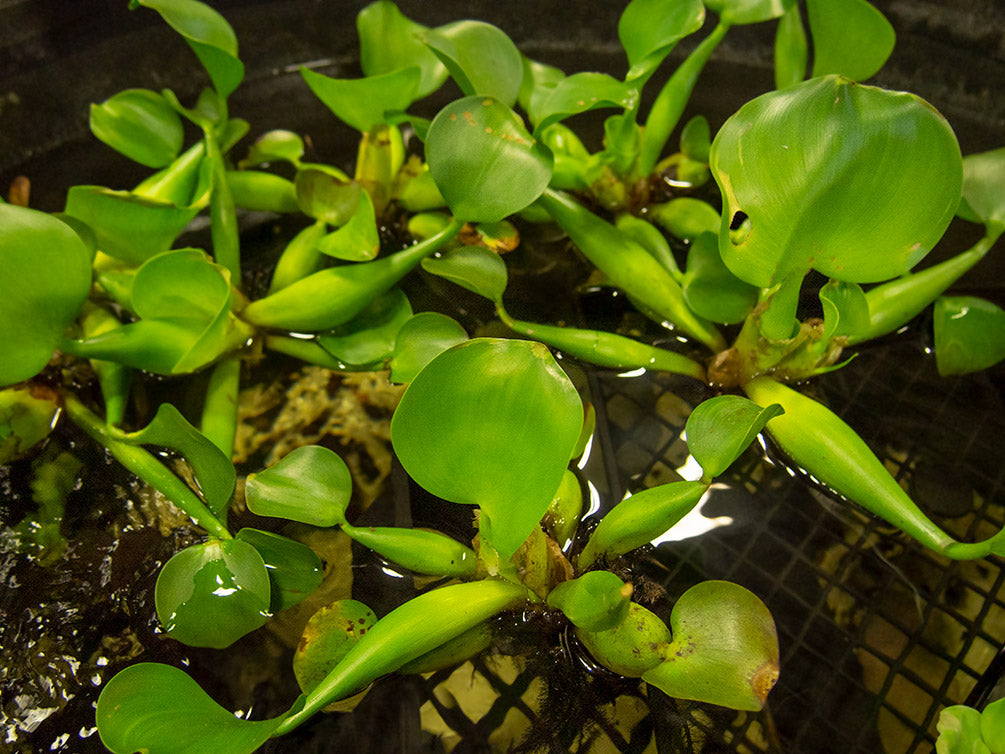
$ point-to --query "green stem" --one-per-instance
(222, 214)
(672, 100)
(219, 411)
(892, 305)
(335, 295)
(145, 466)
(176, 182)
(300, 258)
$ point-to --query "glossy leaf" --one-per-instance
(846, 309)
(369, 337)
(993, 723)
(160, 709)
(357, 240)
(721, 428)
(213, 470)
(127, 226)
(710, 289)
(310, 484)
(477, 413)
(389, 41)
(739, 12)
(475, 147)
(724, 649)
(639, 519)
(633, 646)
(596, 601)
(969, 334)
(419, 340)
(422, 551)
(210, 595)
(853, 181)
(850, 37)
(328, 636)
(274, 146)
(140, 124)
(295, 571)
(581, 93)
(46, 279)
(650, 29)
(791, 49)
(210, 37)
(480, 58)
(983, 179)
(326, 193)
(476, 268)
(367, 102)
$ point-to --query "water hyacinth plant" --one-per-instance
(823, 178)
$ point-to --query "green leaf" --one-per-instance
(140, 124)
(596, 601)
(791, 49)
(423, 551)
(326, 193)
(485, 163)
(649, 237)
(846, 309)
(367, 102)
(210, 37)
(419, 340)
(369, 337)
(581, 93)
(476, 268)
(357, 240)
(686, 217)
(491, 423)
(259, 191)
(740, 12)
(26, 418)
(328, 636)
(159, 709)
(724, 649)
(388, 41)
(46, 279)
(850, 38)
(853, 181)
(310, 484)
(650, 29)
(969, 334)
(539, 81)
(710, 289)
(480, 58)
(721, 428)
(210, 595)
(993, 724)
(959, 729)
(213, 470)
(127, 226)
(983, 192)
(696, 139)
(295, 571)
(274, 146)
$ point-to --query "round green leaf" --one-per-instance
(480, 58)
(739, 12)
(295, 571)
(483, 160)
(388, 41)
(310, 484)
(46, 278)
(369, 336)
(140, 124)
(686, 217)
(274, 146)
(492, 423)
(850, 37)
(853, 181)
(210, 595)
(724, 649)
(419, 340)
(476, 268)
(721, 428)
(328, 636)
(26, 418)
(696, 139)
(159, 709)
(969, 334)
(596, 601)
(993, 723)
(181, 283)
(365, 103)
(984, 187)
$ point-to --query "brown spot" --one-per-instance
(453, 116)
(488, 129)
(764, 680)
(486, 102)
(20, 191)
